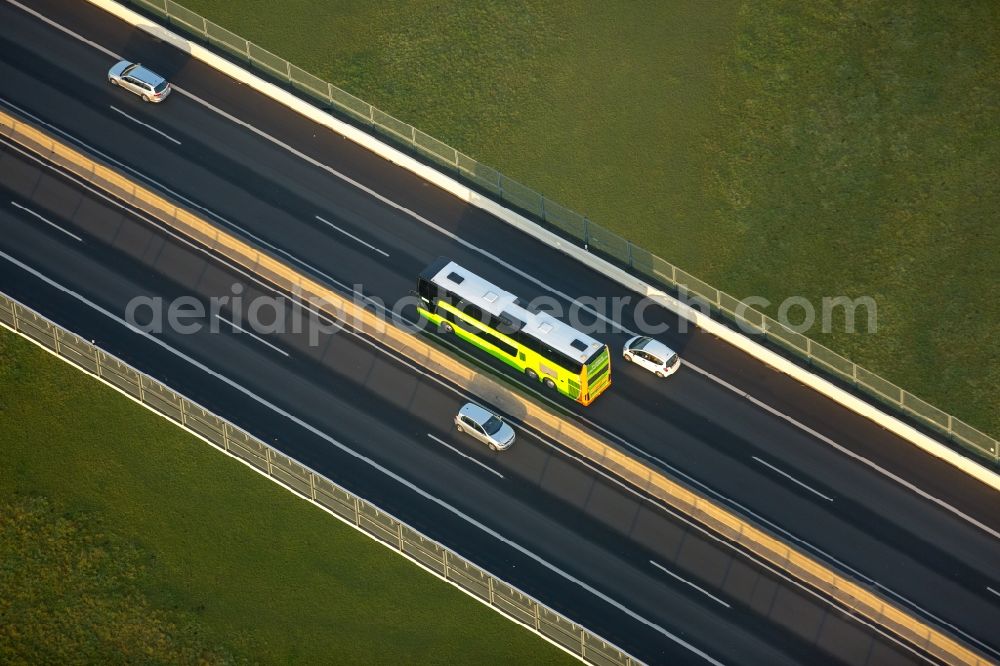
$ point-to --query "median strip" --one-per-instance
(495, 392)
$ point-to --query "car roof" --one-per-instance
(145, 75)
(656, 347)
(476, 413)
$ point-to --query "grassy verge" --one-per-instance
(123, 539)
(771, 148)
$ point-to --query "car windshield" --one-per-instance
(641, 343)
(671, 359)
(160, 88)
(492, 425)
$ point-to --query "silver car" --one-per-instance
(655, 356)
(135, 78)
(485, 426)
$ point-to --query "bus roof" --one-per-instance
(490, 298)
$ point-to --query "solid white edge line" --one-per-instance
(793, 479)
(48, 222)
(687, 582)
(251, 334)
(146, 125)
(351, 236)
(465, 455)
(384, 470)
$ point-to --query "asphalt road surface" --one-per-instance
(898, 520)
(543, 520)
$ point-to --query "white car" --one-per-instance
(485, 426)
(135, 78)
(655, 356)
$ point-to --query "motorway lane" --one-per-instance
(593, 529)
(872, 525)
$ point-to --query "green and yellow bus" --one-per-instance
(543, 348)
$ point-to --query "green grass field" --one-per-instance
(770, 148)
(124, 540)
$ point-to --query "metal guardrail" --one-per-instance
(577, 227)
(361, 514)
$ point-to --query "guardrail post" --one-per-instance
(357, 511)
(491, 590)
(586, 234)
(97, 360)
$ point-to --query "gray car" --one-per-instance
(135, 78)
(485, 426)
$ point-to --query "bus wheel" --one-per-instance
(532, 375)
(446, 328)
(549, 383)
